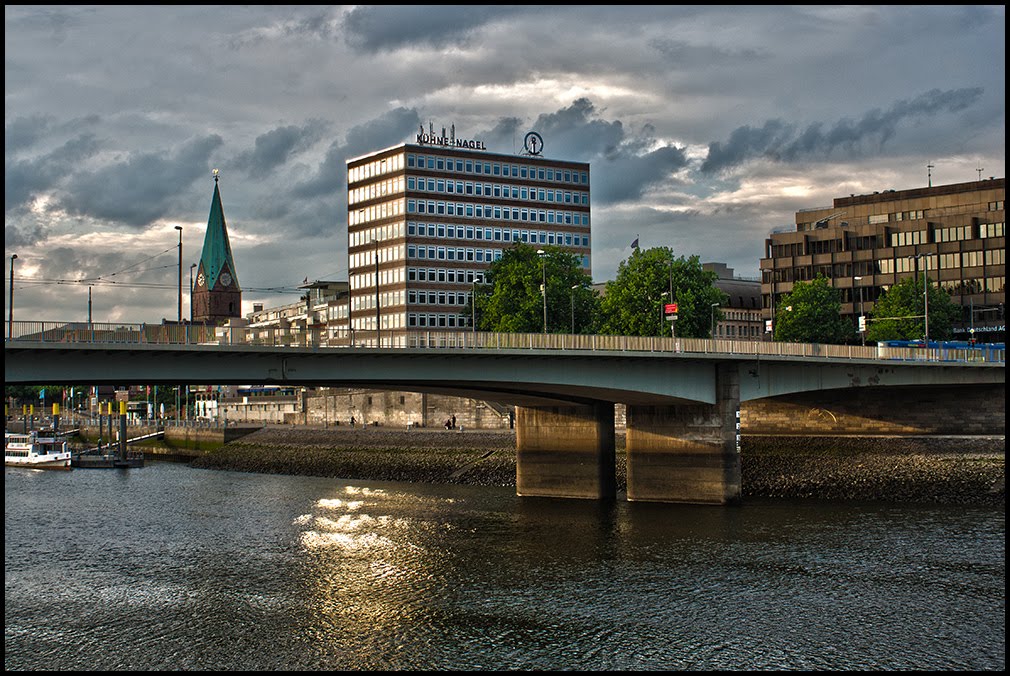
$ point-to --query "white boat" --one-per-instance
(33, 450)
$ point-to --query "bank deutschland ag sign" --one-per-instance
(449, 142)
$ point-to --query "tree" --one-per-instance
(510, 300)
(812, 313)
(899, 313)
(634, 300)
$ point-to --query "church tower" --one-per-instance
(216, 293)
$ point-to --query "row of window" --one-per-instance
(439, 320)
(486, 168)
(469, 254)
(445, 275)
(374, 212)
(946, 261)
(516, 192)
(374, 168)
(395, 185)
(847, 270)
(437, 298)
(366, 280)
(907, 238)
(450, 231)
(496, 212)
(969, 287)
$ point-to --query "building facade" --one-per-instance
(863, 244)
(425, 221)
(740, 318)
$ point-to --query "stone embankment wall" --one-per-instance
(948, 470)
(899, 410)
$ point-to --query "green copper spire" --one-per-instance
(216, 257)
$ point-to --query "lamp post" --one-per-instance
(543, 285)
(574, 286)
(179, 318)
(191, 267)
(378, 334)
(473, 306)
(862, 330)
(714, 306)
(662, 310)
(925, 293)
(10, 303)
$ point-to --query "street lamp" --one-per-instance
(862, 329)
(179, 228)
(378, 335)
(10, 303)
(925, 292)
(543, 285)
(473, 305)
(191, 267)
(714, 306)
(574, 286)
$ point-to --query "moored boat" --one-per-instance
(36, 451)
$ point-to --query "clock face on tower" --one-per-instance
(225, 279)
(201, 280)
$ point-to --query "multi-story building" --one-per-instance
(425, 220)
(863, 244)
(740, 318)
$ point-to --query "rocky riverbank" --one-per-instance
(949, 470)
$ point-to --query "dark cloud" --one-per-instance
(276, 147)
(387, 27)
(24, 132)
(141, 189)
(26, 179)
(782, 142)
(623, 165)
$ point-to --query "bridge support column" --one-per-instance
(566, 452)
(687, 453)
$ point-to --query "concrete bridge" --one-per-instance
(682, 396)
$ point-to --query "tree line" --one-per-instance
(530, 290)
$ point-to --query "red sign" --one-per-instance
(671, 308)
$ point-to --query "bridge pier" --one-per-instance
(566, 451)
(687, 453)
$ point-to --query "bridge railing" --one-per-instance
(198, 334)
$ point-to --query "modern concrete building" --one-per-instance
(426, 219)
(865, 243)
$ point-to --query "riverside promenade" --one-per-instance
(967, 470)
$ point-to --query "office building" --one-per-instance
(863, 244)
(426, 219)
(740, 317)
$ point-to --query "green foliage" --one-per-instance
(899, 313)
(812, 313)
(633, 303)
(510, 300)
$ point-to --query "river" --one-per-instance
(173, 567)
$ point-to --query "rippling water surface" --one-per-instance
(170, 567)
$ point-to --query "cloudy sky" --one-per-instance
(706, 128)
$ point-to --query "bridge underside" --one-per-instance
(675, 453)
